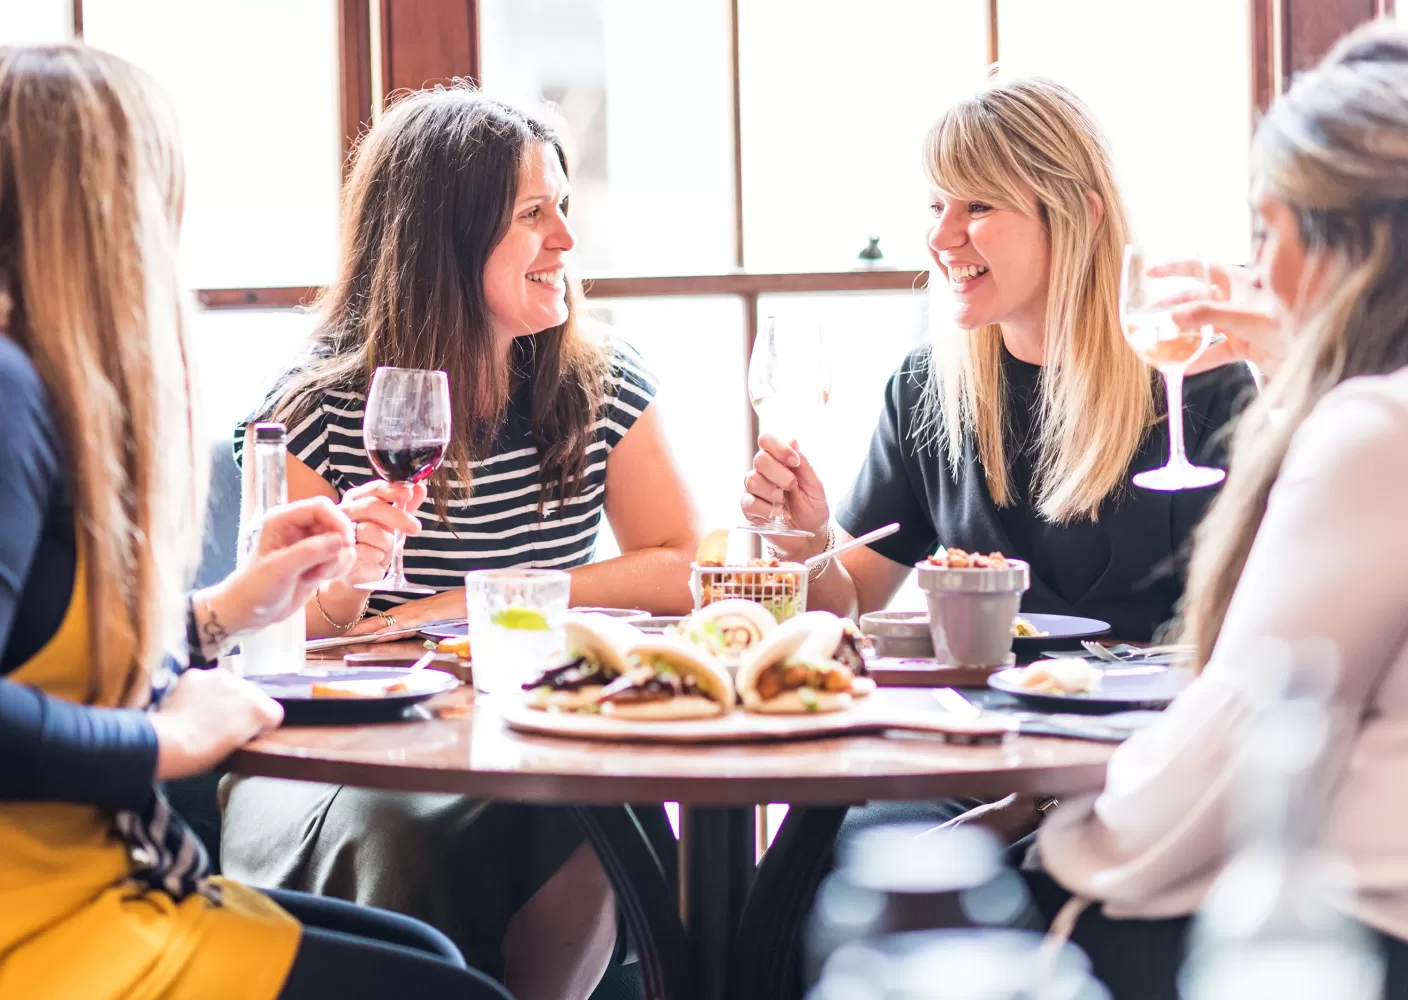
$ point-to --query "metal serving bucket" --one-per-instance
(971, 611)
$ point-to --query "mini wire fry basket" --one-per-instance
(782, 589)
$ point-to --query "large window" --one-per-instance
(1171, 84)
(255, 88)
(835, 101)
(730, 160)
(643, 88)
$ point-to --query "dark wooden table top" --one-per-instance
(457, 744)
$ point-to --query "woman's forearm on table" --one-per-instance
(653, 579)
(833, 591)
(343, 604)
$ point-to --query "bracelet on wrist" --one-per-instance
(816, 571)
(318, 603)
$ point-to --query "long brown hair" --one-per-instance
(1097, 397)
(1335, 149)
(91, 188)
(430, 195)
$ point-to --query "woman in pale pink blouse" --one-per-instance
(1308, 541)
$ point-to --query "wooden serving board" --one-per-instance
(868, 716)
(890, 671)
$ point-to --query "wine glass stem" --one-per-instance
(1173, 382)
(776, 516)
(396, 571)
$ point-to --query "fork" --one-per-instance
(1103, 653)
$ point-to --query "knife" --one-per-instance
(1035, 724)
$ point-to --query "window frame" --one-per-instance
(386, 45)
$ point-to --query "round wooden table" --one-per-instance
(708, 923)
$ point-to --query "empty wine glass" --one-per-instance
(406, 430)
(1150, 286)
(789, 383)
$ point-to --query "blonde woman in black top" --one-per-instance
(1018, 431)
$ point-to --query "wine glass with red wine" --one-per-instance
(406, 429)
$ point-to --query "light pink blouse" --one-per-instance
(1330, 562)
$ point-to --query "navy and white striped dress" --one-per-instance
(498, 525)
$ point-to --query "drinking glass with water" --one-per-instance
(516, 619)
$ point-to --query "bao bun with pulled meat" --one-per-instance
(668, 678)
(595, 657)
(810, 663)
(729, 628)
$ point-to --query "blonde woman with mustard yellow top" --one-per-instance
(103, 891)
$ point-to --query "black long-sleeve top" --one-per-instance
(50, 749)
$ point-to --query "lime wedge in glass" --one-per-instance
(521, 618)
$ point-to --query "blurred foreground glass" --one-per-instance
(922, 913)
(1275, 924)
(516, 618)
(1151, 284)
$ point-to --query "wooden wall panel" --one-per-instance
(425, 42)
(1313, 27)
(1290, 36)
(354, 33)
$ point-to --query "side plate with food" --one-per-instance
(1073, 685)
(341, 695)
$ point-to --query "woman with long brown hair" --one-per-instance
(103, 890)
(1019, 427)
(1305, 546)
(456, 256)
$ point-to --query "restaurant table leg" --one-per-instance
(765, 961)
(648, 900)
(716, 869)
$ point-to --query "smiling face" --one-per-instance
(996, 260)
(525, 284)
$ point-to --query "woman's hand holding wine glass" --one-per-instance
(380, 511)
(1152, 286)
(789, 382)
(407, 429)
(781, 475)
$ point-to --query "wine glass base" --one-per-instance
(779, 530)
(1179, 477)
(397, 586)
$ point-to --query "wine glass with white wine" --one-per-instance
(789, 383)
(1150, 286)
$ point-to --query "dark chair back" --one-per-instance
(222, 516)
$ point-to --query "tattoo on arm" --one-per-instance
(213, 635)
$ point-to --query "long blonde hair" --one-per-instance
(1006, 144)
(1335, 149)
(90, 201)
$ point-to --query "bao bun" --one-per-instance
(686, 660)
(732, 615)
(811, 639)
(600, 638)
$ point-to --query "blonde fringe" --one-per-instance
(1097, 397)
